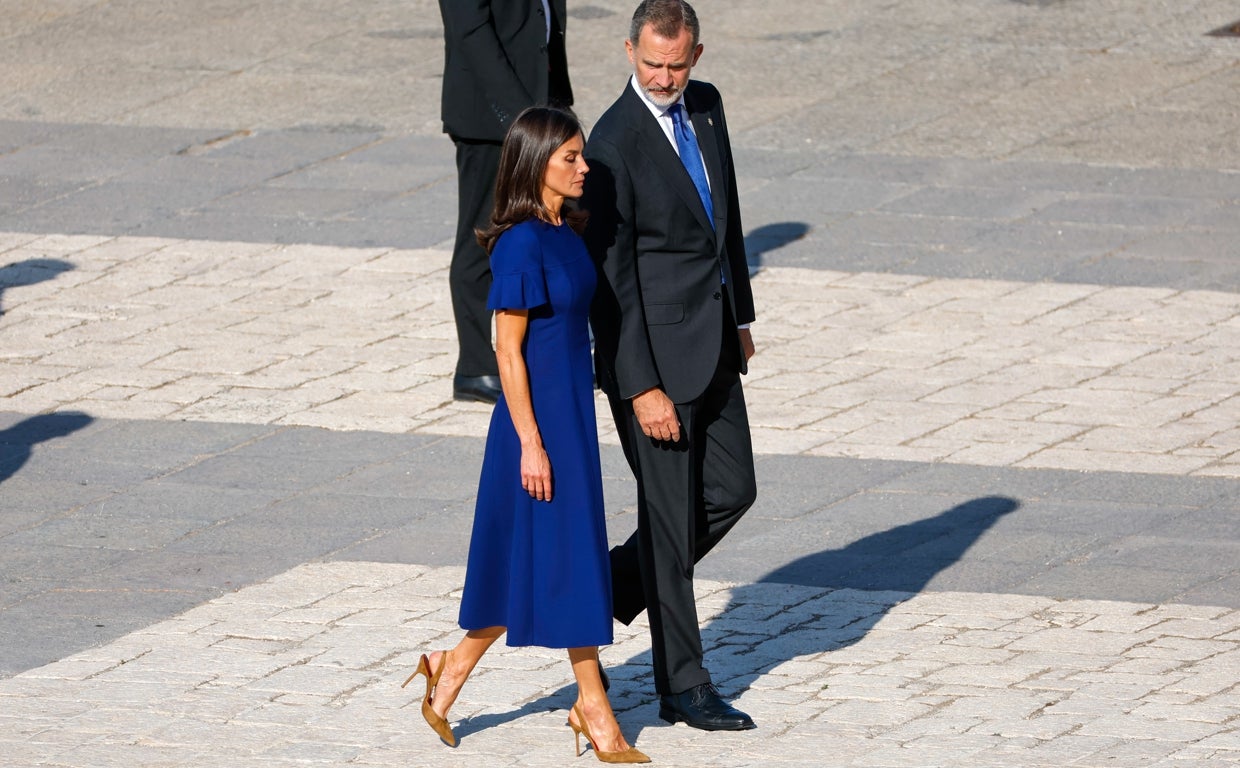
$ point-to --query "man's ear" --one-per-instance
(697, 54)
(628, 48)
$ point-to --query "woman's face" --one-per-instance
(566, 171)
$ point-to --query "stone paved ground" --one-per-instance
(991, 372)
(302, 669)
(995, 253)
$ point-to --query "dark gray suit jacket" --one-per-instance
(497, 62)
(658, 310)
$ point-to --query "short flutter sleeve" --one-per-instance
(516, 270)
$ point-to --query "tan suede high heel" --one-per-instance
(630, 755)
(436, 722)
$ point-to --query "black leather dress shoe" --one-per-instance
(482, 389)
(701, 707)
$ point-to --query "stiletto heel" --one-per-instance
(630, 755)
(436, 722)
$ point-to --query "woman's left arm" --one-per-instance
(510, 328)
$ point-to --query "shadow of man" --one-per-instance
(833, 598)
(770, 237)
(17, 442)
(29, 272)
(821, 602)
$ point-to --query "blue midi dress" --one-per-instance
(541, 568)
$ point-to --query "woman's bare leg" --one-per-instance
(593, 701)
(461, 662)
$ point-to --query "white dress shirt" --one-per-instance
(663, 116)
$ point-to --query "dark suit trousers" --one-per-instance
(469, 277)
(690, 494)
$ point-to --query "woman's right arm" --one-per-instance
(510, 328)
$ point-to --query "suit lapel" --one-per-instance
(654, 144)
(708, 140)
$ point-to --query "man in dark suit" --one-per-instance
(671, 323)
(500, 56)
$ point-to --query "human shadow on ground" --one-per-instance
(29, 272)
(18, 441)
(904, 558)
(854, 587)
(770, 237)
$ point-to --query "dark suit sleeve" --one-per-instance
(738, 262)
(469, 30)
(618, 317)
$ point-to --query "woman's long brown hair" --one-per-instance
(531, 141)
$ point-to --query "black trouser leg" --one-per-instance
(690, 494)
(469, 277)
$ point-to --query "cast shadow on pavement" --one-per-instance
(904, 558)
(770, 237)
(865, 579)
(18, 441)
(861, 582)
(29, 272)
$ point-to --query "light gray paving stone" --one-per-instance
(1054, 166)
(299, 713)
(341, 403)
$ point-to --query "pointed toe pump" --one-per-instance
(630, 755)
(436, 722)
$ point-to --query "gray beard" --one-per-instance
(663, 99)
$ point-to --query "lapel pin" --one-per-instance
(710, 121)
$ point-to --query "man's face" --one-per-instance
(662, 64)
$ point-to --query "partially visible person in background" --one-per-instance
(500, 56)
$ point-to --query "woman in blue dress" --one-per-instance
(538, 565)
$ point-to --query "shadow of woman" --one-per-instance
(558, 700)
(626, 694)
(17, 442)
(833, 598)
(29, 272)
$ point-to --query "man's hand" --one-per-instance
(657, 415)
(746, 343)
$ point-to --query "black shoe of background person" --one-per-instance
(482, 389)
(701, 707)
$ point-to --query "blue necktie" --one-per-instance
(691, 156)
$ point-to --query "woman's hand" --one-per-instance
(510, 329)
(536, 472)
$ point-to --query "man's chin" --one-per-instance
(663, 98)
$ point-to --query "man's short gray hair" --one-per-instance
(666, 18)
